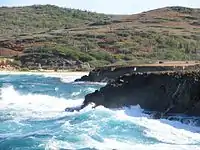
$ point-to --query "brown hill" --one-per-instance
(51, 35)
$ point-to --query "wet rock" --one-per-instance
(165, 92)
(72, 109)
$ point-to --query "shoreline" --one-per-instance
(43, 72)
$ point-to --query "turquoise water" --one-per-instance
(32, 117)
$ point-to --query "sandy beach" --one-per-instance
(15, 72)
(65, 76)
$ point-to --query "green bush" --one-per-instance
(102, 55)
(98, 63)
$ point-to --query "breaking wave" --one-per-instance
(36, 120)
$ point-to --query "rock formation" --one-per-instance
(165, 92)
(110, 73)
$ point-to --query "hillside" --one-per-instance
(48, 36)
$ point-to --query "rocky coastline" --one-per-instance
(111, 73)
(165, 92)
(165, 89)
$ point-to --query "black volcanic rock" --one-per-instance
(166, 92)
(111, 73)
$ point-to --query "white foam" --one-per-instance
(172, 135)
(34, 105)
(47, 74)
(88, 89)
(174, 132)
(109, 144)
(134, 111)
(64, 76)
(56, 145)
(169, 132)
(93, 83)
(76, 93)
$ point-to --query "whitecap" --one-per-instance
(33, 105)
(165, 131)
(87, 142)
(91, 83)
(65, 77)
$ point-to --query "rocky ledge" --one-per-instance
(166, 92)
(110, 73)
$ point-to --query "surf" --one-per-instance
(38, 120)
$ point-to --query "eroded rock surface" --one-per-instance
(166, 92)
(111, 73)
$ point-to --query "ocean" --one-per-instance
(33, 117)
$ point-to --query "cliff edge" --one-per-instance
(165, 92)
(111, 73)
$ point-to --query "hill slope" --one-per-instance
(50, 36)
(40, 18)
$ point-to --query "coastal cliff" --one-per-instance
(110, 73)
(165, 92)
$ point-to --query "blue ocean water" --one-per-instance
(32, 117)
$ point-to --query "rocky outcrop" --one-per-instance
(47, 61)
(13, 45)
(166, 92)
(109, 74)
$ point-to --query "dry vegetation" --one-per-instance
(60, 37)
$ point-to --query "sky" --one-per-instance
(108, 6)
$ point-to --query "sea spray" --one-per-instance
(32, 117)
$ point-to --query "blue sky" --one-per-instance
(108, 6)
